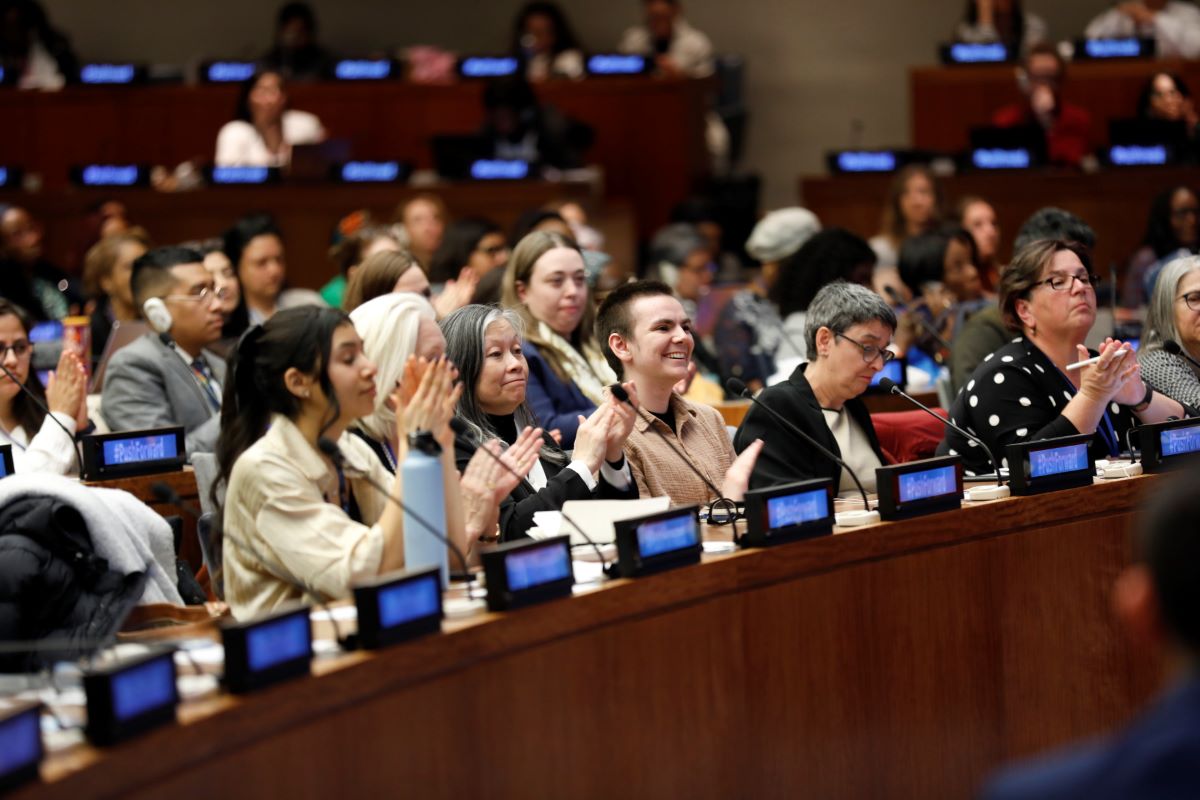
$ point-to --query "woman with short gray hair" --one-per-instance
(847, 333)
(1174, 316)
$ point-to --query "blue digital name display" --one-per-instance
(241, 175)
(496, 169)
(893, 369)
(866, 161)
(107, 73)
(928, 483)
(143, 688)
(616, 64)
(230, 71)
(1132, 155)
(4, 177)
(537, 566)
(140, 450)
(370, 171)
(408, 601)
(797, 509)
(278, 642)
(5, 458)
(1112, 48)
(1057, 460)
(109, 175)
(978, 53)
(1179, 441)
(1001, 158)
(667, 535)
(20, 742)
(488, 67)
(359, 69)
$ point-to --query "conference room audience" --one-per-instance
(749, 330)
(647, 339)
(1165, 96)
(1024, 391)
(291, 518)
(985, 331)
(484, 342)
(170, 376)
(27, 277)
(32, 49)
(350, 252)
(1155, 600)
(1171, 232)
(474, 244)
(1004, 21)
(396, 328)
(385, 273)
(834, 254)
(677, 48)
(107, 268)
(940, 273)
(39, 444)
(421, 226)
(545, 283)
(254, 246)
(1174, 315)
(1066, 127)
(914, 206)
(519, 127)
(847, 334)
(543, 39)
(1173, 25)
(264, 130)
(979, 218)
(296, 54)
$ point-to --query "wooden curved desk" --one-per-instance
(905, 660)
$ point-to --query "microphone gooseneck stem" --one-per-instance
(47, 412)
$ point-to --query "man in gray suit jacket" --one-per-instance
(168, 378)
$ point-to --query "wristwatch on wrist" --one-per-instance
(1146, 400)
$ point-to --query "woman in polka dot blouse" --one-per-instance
(1024, 391)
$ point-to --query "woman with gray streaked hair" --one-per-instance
(847, 333)
(1174, 315)
(484, 342)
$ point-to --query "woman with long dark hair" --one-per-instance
(264, 129)
(1172, 231)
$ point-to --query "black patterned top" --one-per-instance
(1170, 375)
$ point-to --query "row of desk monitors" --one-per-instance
(1080, 49)
(480, 67)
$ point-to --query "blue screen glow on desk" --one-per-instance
(797, 509)
(370, 171)
(1113, 48)
(1058, 460)
(143, 688)
(537, 566)
(978, 52)
(930, 483)
(616, 64)
(1132, 155)
(240, 175)
(230, 71)
(358, 69)
(665, 535)
(107, 73)
(110, 175)
(866, 161)
(20, 742)
(278, 642)
(1179, 441)
(492, 169)
(4, 177)
(139, 450)
(408, 601)
(488, 67)
(998, 158)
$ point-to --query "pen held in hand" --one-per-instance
(1119, 354)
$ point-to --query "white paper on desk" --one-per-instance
(596, 517)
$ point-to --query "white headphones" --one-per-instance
(156, 313)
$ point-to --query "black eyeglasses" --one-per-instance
(1064, 283)
(22, 350)
(869, 351)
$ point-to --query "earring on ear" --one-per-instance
(307, 394)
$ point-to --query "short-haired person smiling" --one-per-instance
(647, 339)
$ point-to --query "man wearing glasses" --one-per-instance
(168, 378)
(847, 332)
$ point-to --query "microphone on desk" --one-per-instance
(848, 519)
(925, 324)
(164, 493)
(37, 402)
(334, 453)
(463, 433)
(890, 386)
(721, 500)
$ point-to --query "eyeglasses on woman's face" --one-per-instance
(869, 351)
(1064, 282)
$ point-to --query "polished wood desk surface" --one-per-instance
(308, 213)
(649, 132)
(946, 102)
(1115, 203)
(903, 660)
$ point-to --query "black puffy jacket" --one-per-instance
(53, 587)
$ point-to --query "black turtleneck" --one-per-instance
(505, 426)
